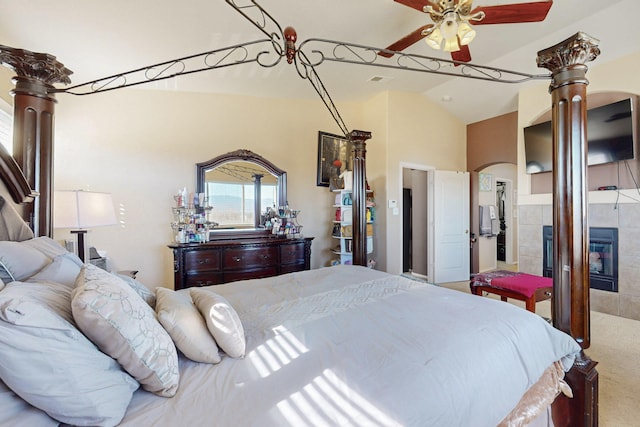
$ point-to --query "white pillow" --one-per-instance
(48, 246)
(121, 324)
(19, 261)
(14, 411)
(63, 269)
(186, 326)
(54, 367)
(222, 321)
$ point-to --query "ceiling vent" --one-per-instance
(379, 79)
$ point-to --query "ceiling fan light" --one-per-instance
(434, 40)
(451, 45)
(466, 34)
(449, 26)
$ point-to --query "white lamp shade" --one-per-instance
(82, 209)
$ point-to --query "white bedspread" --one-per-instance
(350, 346)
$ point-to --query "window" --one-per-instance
(6, 126)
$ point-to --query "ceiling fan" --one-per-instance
(452, 29)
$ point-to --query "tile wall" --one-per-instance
(626, 217)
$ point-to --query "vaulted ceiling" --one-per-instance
(96, 39)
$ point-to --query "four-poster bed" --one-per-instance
(35, 99)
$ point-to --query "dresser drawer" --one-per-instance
(292, 254)
(247, 258)
(203, 279)
(202, 260)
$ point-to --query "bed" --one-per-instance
(343, 345)
(402, 356)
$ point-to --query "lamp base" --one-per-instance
(80, 246)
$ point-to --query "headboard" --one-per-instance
(15, 191)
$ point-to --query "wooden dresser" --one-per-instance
(230, 259)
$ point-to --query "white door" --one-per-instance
(450, 226)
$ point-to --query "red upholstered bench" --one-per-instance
(511, 284)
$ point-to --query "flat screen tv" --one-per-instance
(609, 137)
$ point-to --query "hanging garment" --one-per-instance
(488, 220)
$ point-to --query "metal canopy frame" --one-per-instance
(280, 44)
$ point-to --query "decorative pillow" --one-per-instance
(19, 261)
(63, 269)
(123, 326)
(54, 367)
(222, 321)
(182, 320)
(145, 293)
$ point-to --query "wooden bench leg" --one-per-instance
(531, 303)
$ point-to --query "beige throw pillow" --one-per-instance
(222, 321)
(186, 326)
(122, 325)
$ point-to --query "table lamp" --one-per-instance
(80, 210)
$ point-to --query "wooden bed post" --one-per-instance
(33, 125)
(570, 303)
(359, 138)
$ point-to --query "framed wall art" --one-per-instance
(485, 181)
(334, 157)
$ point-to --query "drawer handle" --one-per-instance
(237, 258)
(207, 283)
(266, 256)
(206, 261)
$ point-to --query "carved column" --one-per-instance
(570, 226)
(33, 126)
(570, 303)
(359, 138)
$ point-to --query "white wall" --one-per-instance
(142, 146)
(419, 133)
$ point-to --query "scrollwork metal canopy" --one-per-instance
(279, 44)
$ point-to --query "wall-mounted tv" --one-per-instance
(609, 134)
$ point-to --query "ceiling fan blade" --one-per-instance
(415, 4)
(513, 13)
(462, 55)
(406, 41)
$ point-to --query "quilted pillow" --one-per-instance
(19, 261)
(182, 320)
(122, 325)
(222, 321)
(51, 365)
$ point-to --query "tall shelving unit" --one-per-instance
(342, 226)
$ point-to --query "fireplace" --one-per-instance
(603, 256)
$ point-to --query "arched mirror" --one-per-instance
(240, 185)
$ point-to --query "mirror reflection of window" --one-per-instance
(234, 202)
(230, 190)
